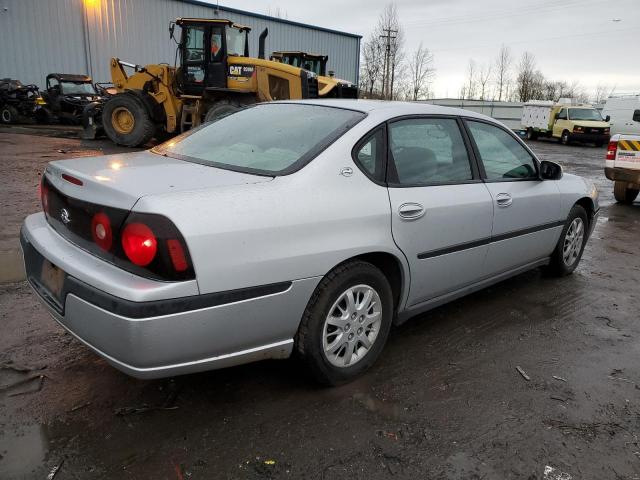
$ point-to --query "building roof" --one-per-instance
(222, 8)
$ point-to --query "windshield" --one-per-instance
(235, 42)
(269, 139)
(71, 88)
(585, 114)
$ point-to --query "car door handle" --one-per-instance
(411, 211)
(504, 200)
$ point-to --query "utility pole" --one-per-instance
(389, 35)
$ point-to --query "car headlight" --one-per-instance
(578, 129)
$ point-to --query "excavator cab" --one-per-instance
(204, 48)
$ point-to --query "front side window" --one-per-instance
(269, 139)
(562, 115)
(428, 151)
(502, 155)
(585, 114)
(236, 40)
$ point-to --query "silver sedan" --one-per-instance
(294, 227)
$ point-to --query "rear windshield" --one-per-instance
(269, 139)
(584, 114)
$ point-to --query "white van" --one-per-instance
(624, 113)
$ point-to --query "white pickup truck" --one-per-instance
(622, 165)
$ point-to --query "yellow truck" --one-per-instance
(568, 122)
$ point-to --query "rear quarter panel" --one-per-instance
(296, 226)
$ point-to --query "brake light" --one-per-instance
(139, 244)
(178, 258)
(611, 150)
(101, 231)
(71, 179)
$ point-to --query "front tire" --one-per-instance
(568, 252)
(126, 121)
(624, 194)
(8, 114)
(565, 139)
(346, 323)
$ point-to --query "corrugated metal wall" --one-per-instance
(80, 36)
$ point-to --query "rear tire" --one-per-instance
(126, 121)
(624, 194)
(220, 110)
(532, 134)
(8, 114)
(334, 332)
(566, 257)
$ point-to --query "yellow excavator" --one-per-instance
(215, 77)
(328, 85)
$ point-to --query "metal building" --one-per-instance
(38, 37)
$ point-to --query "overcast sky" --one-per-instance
(571, 39)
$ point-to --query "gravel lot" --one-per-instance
(444, 401)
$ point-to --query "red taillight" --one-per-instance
(44, 198)
(611, 150)
(101, 231)
(178, 258)
(139, 244)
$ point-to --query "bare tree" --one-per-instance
(422, 72)
(603, 92)
(526, 77)
(392, 36)
(484, 74)
(372, 64)
(468, 91)
(502, 70)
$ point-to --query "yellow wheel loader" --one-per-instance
(328, 85)
(215, 77)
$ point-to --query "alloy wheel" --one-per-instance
(352, 326)
(573, 240)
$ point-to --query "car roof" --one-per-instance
(394, 108)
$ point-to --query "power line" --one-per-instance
(387, 57)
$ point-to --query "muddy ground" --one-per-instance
(444, 401)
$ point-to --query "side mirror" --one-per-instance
(550, 170)
(607, 118)
(172, 27)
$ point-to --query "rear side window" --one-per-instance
(269, 139)
(428, 151)
(369, 154)
(502, 155)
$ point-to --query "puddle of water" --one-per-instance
(22, 452)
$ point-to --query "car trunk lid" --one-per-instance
(120, 180)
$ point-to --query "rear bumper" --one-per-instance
(618, 174)
(161, 338)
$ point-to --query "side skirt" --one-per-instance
(422, 307)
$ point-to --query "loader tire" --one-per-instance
(623, 194)
(126, 121)
(8, 114)
(221, 109)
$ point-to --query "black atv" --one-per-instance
(17, 101)
(66, 97)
